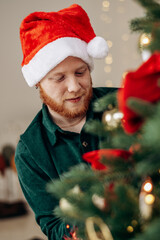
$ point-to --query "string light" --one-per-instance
(148, 187)
(109, 59)
(149, 199)
(110, 43)
(144, 40)
(105, 4)
(146, 199)
(118, 115)
(108, 117)
(112, 118)
(67, 226)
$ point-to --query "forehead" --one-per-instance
(70, 63)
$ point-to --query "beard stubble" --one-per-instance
(65, 111)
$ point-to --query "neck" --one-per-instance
(68, 124)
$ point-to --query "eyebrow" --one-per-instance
(61, 73)
(83, 66)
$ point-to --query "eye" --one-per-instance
(80, 72)
(57, 78)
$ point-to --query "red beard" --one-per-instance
(61, 109)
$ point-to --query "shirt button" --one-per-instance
(85, 144)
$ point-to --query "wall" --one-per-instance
(19, 103)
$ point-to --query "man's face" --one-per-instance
(67, 88)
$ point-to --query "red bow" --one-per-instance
(144, 84)
(95, 156)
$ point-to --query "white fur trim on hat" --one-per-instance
(51, 55)
(97, 47)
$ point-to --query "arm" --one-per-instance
(33, 182)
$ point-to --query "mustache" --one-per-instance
(75, 95)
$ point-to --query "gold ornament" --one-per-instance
(130, 229)
(134, 223)
(92, 235)
(112, 118)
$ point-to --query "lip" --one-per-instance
(74, 100)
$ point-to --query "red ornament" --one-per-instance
(143, 84)
(95, 156)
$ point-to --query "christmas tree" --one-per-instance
(118, 197)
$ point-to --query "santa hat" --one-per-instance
(48, 38)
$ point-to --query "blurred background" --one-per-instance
(20, 103)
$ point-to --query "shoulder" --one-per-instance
(26, 138)
(102, 91)
(22, 152)
(33, 126)
(35, 122)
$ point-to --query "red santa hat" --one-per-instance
(48, 38)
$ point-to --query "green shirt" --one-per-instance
(43, 153)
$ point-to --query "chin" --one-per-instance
(74, 114)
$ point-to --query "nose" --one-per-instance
(73, 84)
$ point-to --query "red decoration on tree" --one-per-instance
(73, 235)
(95, 156)
(143, 84)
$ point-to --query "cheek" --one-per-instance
(56, 94)
(52, 90)
(87, 83)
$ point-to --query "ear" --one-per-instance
(37, 85)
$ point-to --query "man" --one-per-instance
(58, 49)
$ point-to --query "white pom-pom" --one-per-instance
(97, 47)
